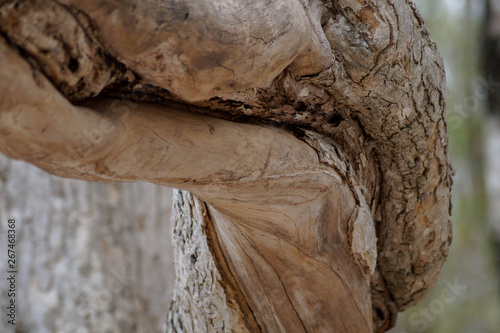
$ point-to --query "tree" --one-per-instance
(310, 135)
(82, 256)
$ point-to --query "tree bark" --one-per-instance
(90, 257)
(206, 298)
(341, 206)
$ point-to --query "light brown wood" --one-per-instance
(313, 132)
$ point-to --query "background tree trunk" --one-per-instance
(91, 257)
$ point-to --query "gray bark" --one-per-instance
(91, 257)
(200, 301)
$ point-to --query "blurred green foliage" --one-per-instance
(467, 297)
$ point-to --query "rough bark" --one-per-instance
(206, 298)
(361, 86)
(90, 257)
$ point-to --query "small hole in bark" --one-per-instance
(186, 16)
(193, 259)
(73, 65)
(380, 313)
(335, 120)
(246, 106)
(301, 106)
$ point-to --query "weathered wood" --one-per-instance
(363, 75)
(270, 181)
(206, 298)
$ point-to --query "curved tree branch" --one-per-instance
(360, 84)
(268, 182)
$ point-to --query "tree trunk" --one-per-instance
(312, 132)
(90, 257)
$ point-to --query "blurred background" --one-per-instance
(90, 257)
(98, 257)
(467, 296)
